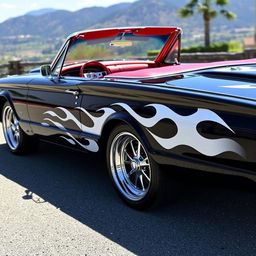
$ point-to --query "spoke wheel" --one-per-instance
(11, 128)
(135, 175)
(130, 166)
(17, 140)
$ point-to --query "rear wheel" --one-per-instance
(17, 140)
(135, 175)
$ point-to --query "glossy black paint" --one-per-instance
(202, 107)
(32, 96)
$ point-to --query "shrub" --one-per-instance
(153, 53)
(231, 46)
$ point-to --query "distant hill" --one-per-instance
(41, 11)
(60, 23)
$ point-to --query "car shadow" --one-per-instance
(210, 214)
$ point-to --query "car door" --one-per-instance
(52, 106)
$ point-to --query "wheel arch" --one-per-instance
(5, 97)
(121, 119)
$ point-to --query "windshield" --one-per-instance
(124, 45)
(174, 55)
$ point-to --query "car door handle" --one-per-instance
(74, 92)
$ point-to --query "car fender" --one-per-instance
(5, 97)
(119, 118)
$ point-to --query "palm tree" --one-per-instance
(204, 7)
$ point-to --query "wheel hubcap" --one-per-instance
(11, 128)
(130, 166)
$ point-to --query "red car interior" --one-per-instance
(117, 66)
(177, 69)
(109, 67)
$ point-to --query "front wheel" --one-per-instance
(135, 175)
(17, 140)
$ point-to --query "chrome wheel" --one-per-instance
(11, 128)
(130, 166)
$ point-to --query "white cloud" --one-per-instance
(7, 6)
(35, 5)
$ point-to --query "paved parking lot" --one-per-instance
(60, 202)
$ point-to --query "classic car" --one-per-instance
(123, 91)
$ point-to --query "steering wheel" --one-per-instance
(92, 66)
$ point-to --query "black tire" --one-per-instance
(136, 177)
(16, 139)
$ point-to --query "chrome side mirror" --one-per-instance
(45, 70)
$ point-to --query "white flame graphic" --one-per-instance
(187, 133)
(57, 124)
(92, 146)
(98, 123)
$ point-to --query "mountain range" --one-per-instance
(60, 23)
(41, 11)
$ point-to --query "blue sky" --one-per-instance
(13, 8)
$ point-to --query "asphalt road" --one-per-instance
(60, 202)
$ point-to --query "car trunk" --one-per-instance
(234, 82)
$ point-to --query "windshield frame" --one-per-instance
(101, 33)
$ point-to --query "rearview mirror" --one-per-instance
(122, 43)
(45, 70)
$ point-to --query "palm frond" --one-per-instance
(229, 15)
(185, 12)
(212, 13)
(222, 2)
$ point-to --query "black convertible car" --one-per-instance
(124, 91)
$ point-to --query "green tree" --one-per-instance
(204, 7)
